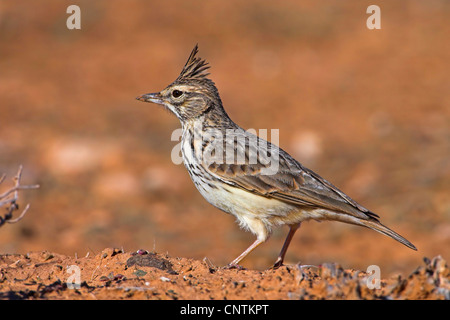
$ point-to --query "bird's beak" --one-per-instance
(151, 97)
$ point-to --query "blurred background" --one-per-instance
(369, 110)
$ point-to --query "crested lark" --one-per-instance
(246, 176)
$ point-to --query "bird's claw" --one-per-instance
(234, 266)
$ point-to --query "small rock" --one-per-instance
(139, 273)
(151, 260)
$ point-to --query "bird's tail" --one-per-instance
(377, 226)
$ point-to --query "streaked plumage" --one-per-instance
(241, 180)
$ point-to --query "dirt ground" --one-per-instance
(113, 274)
(369, 110)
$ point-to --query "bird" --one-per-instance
(246, 176)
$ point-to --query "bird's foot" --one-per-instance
(277, 264)
(234, 266)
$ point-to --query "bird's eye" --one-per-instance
(177, 93)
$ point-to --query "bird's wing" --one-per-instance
(283, 178)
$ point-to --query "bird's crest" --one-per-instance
(195, 67)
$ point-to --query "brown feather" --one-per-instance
(195, 68)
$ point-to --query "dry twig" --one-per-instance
(9, 198)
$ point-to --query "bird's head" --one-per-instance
(191, 95)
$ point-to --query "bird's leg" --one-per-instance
(292, 229)
(235, 262)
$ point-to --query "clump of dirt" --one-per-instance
(114, 274)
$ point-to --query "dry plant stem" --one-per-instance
(6, 199)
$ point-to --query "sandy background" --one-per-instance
(368, 110)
